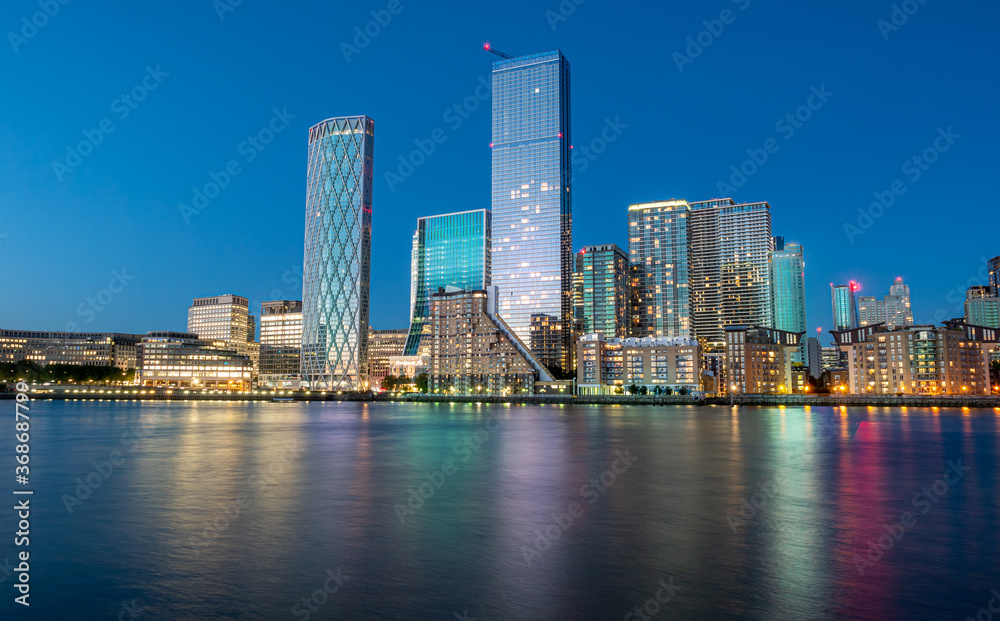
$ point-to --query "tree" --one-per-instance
(421, 380)
(683, 391)
(667, 390)
(619, 390)
(643, 390)
(633, 389)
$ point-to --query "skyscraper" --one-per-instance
(337, 261)
(448, 250)
(982, 307)
(893, 310)
(659, 246)
(604, 290)
(789, 291)
(993, 265)
(532, 198)
(730, 276)
(845, 308)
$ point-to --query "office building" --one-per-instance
(814, 358)
(101, 349)
(532, 197)
(337, 259)
(893, 310)
(949, 360)
(182, 360)
(603, 281)
(845, 308)
(280, 343)
(659, 244)
(993, 267)
(657, 365)
(982, 307)
(382, 346)
(226, 318)
(730, 276)
(789, 291)
(759, 359)
(474, 351)
(451, 250)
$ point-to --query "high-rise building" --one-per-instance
(893, 310)
(845, 308)
(226, 318)
(603, 275)
(280, 343)
(814, 357)
(532, 197)
(789, 291)
(337, 260)
(474, 351)
(659, 246)
(730, 275)
(448, 250)
(982, 307)
(383, 345)
(993, 265)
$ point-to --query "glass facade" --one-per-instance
(789, 291)
(532, 199)
(993, 266)
(448, 250)
(280, 341)
(337, 260)
(603, 285)
(845, 308)
(659, 249)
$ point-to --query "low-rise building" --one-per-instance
(472, 350)
(383, 345)
(654, 363)
(182, 360)
(759, 359)
(104, 349)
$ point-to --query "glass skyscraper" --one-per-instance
(845, 307)
(603, 283)
(993, 266)
(789, 291)
(659, 249)
(532, 200)
(337, 261)
(448, 250)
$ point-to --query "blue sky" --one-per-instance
(108, 226)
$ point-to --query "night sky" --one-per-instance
(75, 222)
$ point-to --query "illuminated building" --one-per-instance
(280, 343)
(474, 351)
(655, 363)
(603, 281)
(948, 360)
(893, 310)
(982, 307)
(182, 360)
(659, 246)
(382, 346)
(226, 318)
(759, 360)
(993, 266)
(450, 250)
(789, 291)
(845, 308)
(532, 199)
(337, 259)
(104, 349)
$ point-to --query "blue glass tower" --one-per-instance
(532, 200)
(788, 282)
(845, 306)
(448, 250)
(337, 261)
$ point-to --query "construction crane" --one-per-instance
(489, 48)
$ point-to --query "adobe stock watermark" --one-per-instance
(315, 600)
(992, 607)
(592, 491)
(652, 606)
(96, 303)
(121, 107)
(363, 35)
(292, 279)
(923, 500)
(588, 153)
(222, 7)
(253, 146)
(914, 169)
(786, 127)
(129, 610)
(956, 295)
(714, 28)
(454, 116)
(33, 24)
(562, 12)
(899, 17)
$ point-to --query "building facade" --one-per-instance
(448, 250)
(611, 365)
(788, 283)
(603, 282)
(949, 360)
(659, 246)
(893, 310)
(845, 307)
(226, 318)
(474, 351)
(532, 197)
(337, 259)
(993, 267)
(982, 307)
(280, 343)
(104, 349)
(182, 360)
(382, 346)
(759, 359)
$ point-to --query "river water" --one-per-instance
(389, 511)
